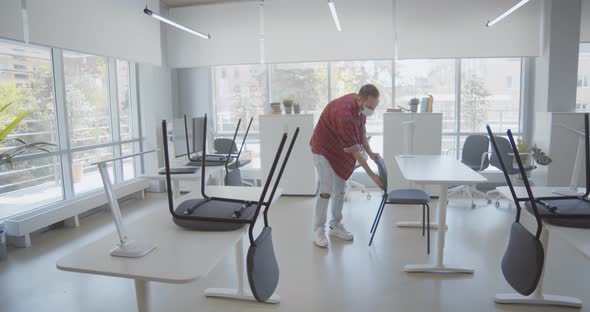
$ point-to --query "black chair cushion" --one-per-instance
(382, 170)
(212, 209)
(409, 197)
(262, 266)
(523, 260)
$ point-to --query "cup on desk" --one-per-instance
(3, 252)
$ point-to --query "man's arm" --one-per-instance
(363, 162)
(368, 149)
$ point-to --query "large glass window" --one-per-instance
(305, 83)
(420, 78)
(490, 94)
(87, 99)
(26, 81)
(240, 92)
(583, 90)
(98, 119)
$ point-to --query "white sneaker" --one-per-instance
(320, 238)
(339, 231)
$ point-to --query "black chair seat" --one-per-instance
(408, 197)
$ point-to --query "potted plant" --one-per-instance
(288, 103)
(414, 105)
(297, 108)
(276, 108)
(522, 148)
(21, 146)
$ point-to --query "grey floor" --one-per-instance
(345, 277)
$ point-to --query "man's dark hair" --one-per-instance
(368, 90)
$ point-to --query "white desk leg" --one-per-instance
(142, 294)
(240, 293)
(175, 188)
(439, 267)
(537, 297)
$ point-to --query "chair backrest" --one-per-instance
(382, 172)
(233, 178)
(522, 264)
(225, 146)
(473, 149)
(503, 153)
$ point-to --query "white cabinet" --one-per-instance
(561, 145)
(426, 140)
(300, 176)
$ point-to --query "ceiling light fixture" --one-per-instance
(334, 15)
(172, 23)
(508, 12)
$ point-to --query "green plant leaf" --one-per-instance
(5, 106)
(12, 125)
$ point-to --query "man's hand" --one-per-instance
(374, 156)
(377, 181)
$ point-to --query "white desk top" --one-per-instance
(437, 169)
(579, 238)
(181, 256)
(211, 170)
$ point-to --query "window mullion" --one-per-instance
(63, 127)
(114, 118)
(457, 106)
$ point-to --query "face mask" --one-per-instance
(367, 111)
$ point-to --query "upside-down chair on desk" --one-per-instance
(227, 214)
(522, 264)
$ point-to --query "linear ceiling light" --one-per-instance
(334, 15)
(169, 22)
(508, 12)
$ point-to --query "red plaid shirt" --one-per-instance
(338, 132)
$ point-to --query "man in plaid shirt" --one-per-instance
(337, 144)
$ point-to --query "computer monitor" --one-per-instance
(179, 137)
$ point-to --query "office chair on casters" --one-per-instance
(402, 197)
(504, 154)
(475, 156)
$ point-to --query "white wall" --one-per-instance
(194, 92)
(155, 98)
(108, 27)
(456, 28)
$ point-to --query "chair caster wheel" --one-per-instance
(489, 201)
(368, 196)
(473, 206)
(497, 204)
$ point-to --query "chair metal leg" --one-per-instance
(377, 215)
(427, 229)
(377, 223)
(423, 219)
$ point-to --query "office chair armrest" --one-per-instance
(452, 149)
(483, 158)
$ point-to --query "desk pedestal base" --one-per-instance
(229, 293)
(550, 300)
(431, 268)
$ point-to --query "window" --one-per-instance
(242, 95)
(583, 92)
(485, 98)
(29, 182)
(305, 83)
(87, 99)
(100, 122)
(420, 78)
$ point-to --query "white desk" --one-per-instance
(442, 171)
(181, 256)
(215, 172)
(576, 237)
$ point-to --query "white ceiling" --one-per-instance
(179, 3)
